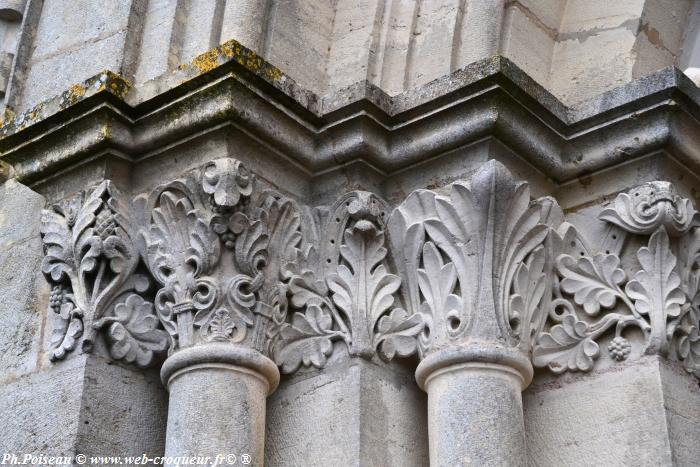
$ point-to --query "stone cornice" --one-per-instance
(492, 97)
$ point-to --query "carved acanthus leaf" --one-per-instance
(656, 289)
(181, 248)
(363, 290)
(462, 255)
(437, 282)
(355, 302)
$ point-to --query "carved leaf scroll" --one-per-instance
(307, 341)
(567, 346)
(90, 259)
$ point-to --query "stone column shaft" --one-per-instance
(475, 414)
(217, 402)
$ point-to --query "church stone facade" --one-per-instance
(351, 233)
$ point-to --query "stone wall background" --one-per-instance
(575, 48)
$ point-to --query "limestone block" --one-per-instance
(682, 404)
(22, 290)
(650, 57)
(20, 213)
(477, 32)
(586, 64)
(56, 73)
(398, 39)
(548, 12)
(83, 405)
(527, 44)
(663, 23)
(352, 413)
(354, 30)
(156, 51)
(40, 412)
(123, 411)
(21, 286)
(75, 41)
(70, 24)
(299, 39)
(245, 21)
(617, 417)
(430, 53)
(201, 28)
(596, 15)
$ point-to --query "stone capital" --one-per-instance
(477, 265)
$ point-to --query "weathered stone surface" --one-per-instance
(618, 417)
(387, 195)
(22, 290)
(23, 297)
(41, 411)
(352, 413)
(20, 213)
(123, 411)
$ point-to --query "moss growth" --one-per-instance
(105, 81)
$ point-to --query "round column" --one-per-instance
(217, 401)
(475, 410)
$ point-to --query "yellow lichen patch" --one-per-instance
(233, 50)
(273, 73)
(207, 61)
(76, 92)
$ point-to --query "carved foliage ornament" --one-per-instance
(484, 263)
(91, 263)
(341, 289)
(659, 296)
(207, 244)
(477, 263)
(228, 262)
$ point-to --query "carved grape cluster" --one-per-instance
(619, 348)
